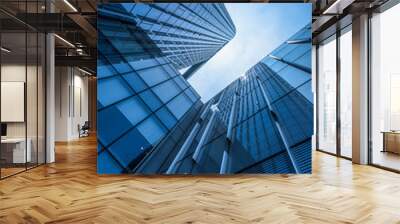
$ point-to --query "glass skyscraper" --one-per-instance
(188, 34)
(141, 94)
(260, 123)
(152, 121)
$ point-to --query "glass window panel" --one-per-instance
(346, 94)
(306, 91)
(153, 76)
(294, 76)
(127, 45)
(13, 81)
(164, 17)
(144, 63)
(129, 147)
(128, 6)
(300, 50)
(304, 60)
(190, 93)
(153, 14)
(150, 99)
(277, 65)
(114, 89)
(166, 117)
(385, 88)
(141, 9)
(151, 129)
(106, 164)
(135, 81)
(146, 25)
(327, 96)
(122, 67)
(181, 82)
(180, 105)
(133, 109)
(284, 50)
(111, 129)
(104, 70)
(166, 90)
(171, 71)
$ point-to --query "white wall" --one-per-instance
(62, 82)
(80, 103)
(14, 72)
(346, 75)
(71, 94)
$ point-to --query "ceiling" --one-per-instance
(75, 22)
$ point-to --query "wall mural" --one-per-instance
(173, 100)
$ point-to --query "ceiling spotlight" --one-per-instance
(84, 71)
(65, 41)
(5, 50)
(70, 5)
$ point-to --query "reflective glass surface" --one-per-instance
(141, 94)
(327, 96)
(260, 123)
(154, 121)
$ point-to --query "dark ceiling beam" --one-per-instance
(15, 18)
(337, 7)
(321, 23)
(79, 61)
(83, 23)
(49, 22)
(338, 16)
(54, 22)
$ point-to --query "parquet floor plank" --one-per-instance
(70, 191)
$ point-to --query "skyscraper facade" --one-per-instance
(188, 34)
(260, 123)
(142, 97)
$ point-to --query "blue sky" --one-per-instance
(260, 28)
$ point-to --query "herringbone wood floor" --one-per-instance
(70, 191)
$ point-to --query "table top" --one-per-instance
(13, 140)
